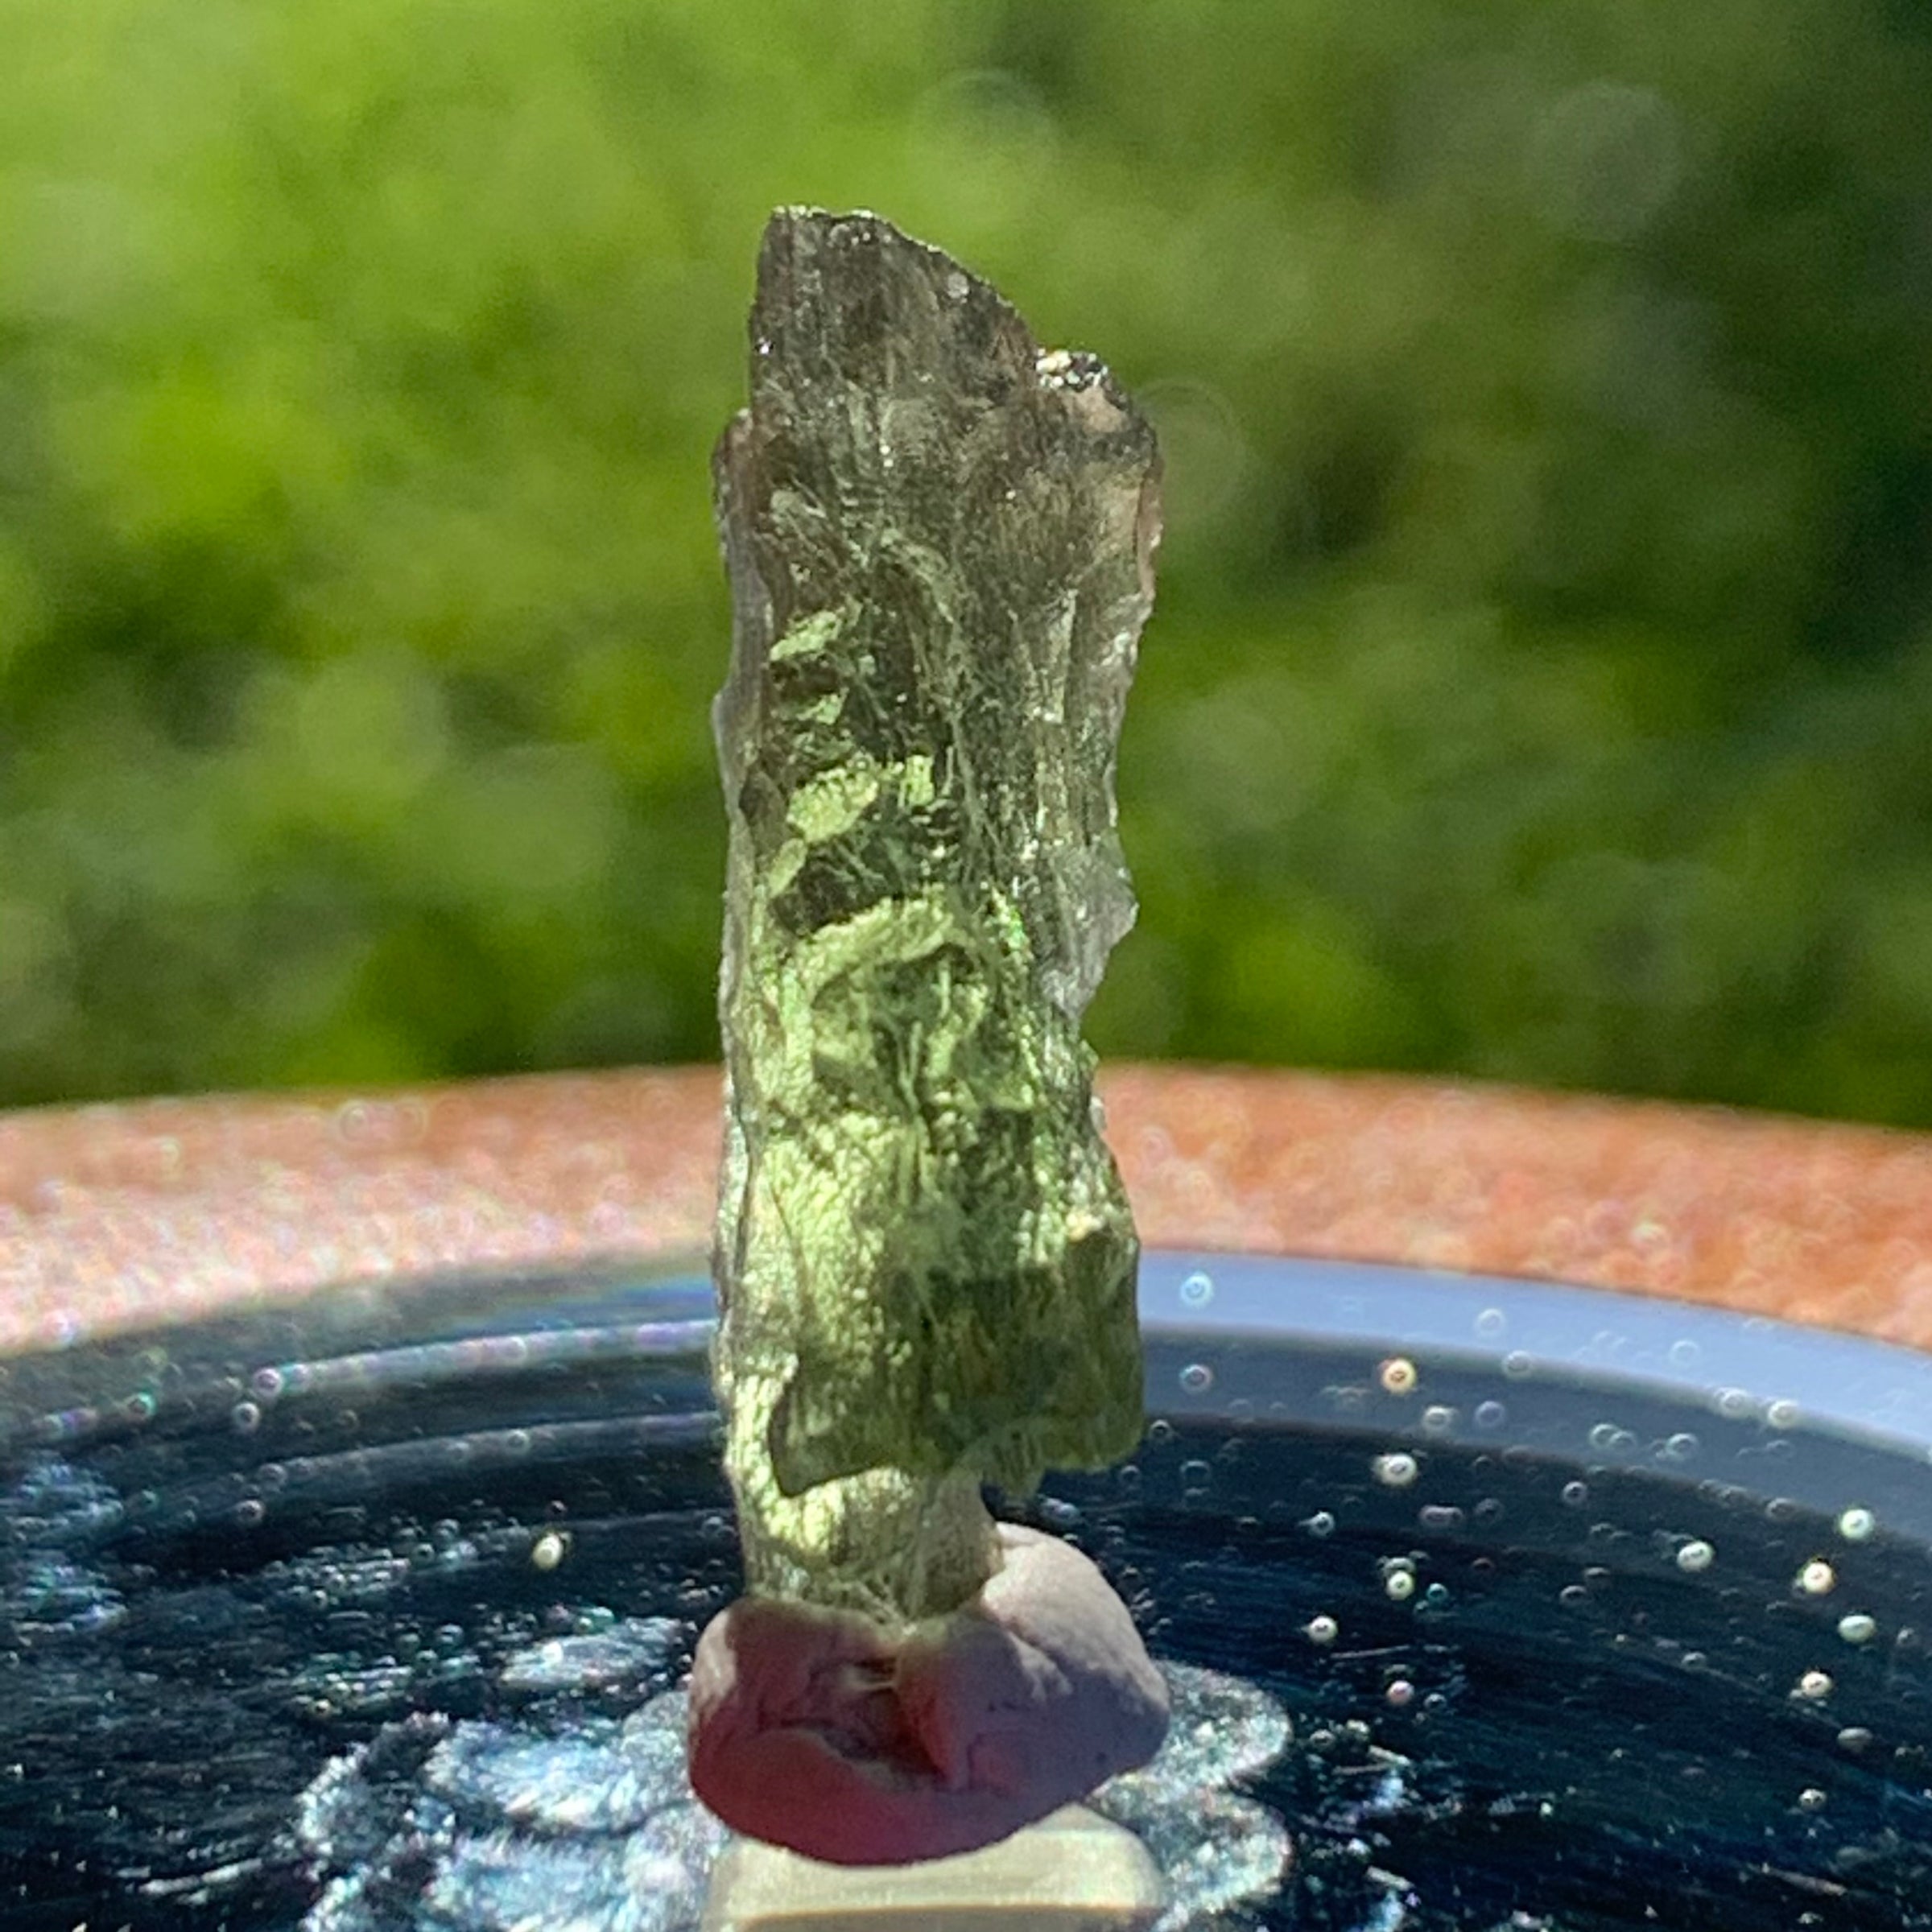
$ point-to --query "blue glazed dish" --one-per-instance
(1507, 1605)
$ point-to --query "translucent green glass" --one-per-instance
(940, 542)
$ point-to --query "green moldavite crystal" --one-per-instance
(940, 543)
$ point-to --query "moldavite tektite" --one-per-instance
(940, 543)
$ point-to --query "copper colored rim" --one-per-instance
(115, 1217)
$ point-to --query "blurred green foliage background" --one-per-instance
(1542, 686)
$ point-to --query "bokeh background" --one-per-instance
(1541, 685)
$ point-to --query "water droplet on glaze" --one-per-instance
(1817, 1578)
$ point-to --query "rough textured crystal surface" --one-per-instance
(940, 541)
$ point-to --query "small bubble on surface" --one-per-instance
(246, 1418)
(1398, 1375)
(1400, 1692)
(1517, 1365)
(1856, 1628)
(1491, 1415)
(1197, 1378)
(1160, 1431)
(1813, 1686)
(1816, 1579)
(1195, 1475)
(1398, 1582)
(1439, 1419)
(1695, 1556)
(1856, 1525)
(1575, 1495)
(1492, 1321)
(1811, 1799)
(1197, 1291)
(549, 1550)
(1782, 1414)
(1322, 1630)
(1855, 1738)
(1397, 1470)
(1322, 1523)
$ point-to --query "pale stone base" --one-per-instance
(1074, 1871)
